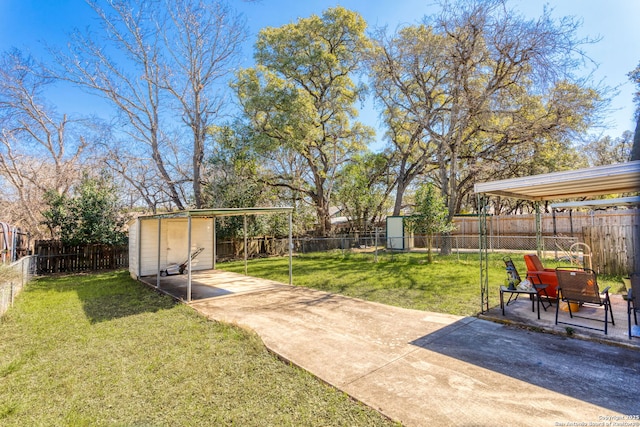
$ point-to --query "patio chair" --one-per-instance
(633, 305)
(580, 286)
(542, 275)
(541, 288)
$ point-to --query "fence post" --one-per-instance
(376, 246)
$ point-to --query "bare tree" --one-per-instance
(40, 150)
(141, 185)
(131, 82)
(203, 39)
(149, 55)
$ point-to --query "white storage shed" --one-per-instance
(399, 237)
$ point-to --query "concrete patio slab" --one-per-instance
(425, 369)
(587, 323)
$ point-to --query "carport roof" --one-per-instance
(208, 213)
(595, 181)
(602, 203)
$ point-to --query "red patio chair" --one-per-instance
(540, 275)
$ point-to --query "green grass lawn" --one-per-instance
(451, 284)
(105, 350)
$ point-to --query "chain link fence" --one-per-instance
(13, 278)
(552, 246)
(556, 247)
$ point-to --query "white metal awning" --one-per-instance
(210, 213)
(596, 181)
(602, 203)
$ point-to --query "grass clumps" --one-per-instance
(104, 350)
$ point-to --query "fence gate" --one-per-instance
(614, 248)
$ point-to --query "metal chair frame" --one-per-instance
(580, 285)
(541, 288)
(633, 306)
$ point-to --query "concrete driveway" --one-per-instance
(425, 369)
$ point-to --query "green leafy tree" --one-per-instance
(474, 82)
(299, 101)
(430, 215)
(55, 217)
(362, 189)
(91, 215)
(607, 151)
(231, 169)
(401, 67)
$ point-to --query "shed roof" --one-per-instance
(595, 181)
(209, 213)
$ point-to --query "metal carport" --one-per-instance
(588, 182)
(149, 243)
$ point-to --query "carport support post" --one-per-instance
(189, 258)
(538, 229)
(555, 233)
(290, 248)
(215, 253)
(483, 202)
(159, 240)
(139, 237)
(244, 217)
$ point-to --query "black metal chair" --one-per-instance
(514, 276)
(580, 286)
(633, 305)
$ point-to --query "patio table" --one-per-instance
(533, 294)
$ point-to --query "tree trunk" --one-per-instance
(397, 207)
(198, 157)
(170, 187)
(635, 150)
(324, 219)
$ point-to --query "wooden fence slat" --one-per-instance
(614, 248)
(54, 257)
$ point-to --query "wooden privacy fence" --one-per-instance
(55, 257)
(569, 224)
(614, 248)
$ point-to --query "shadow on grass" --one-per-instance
(580, 369)
(107, 296)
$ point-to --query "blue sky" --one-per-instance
(26, 24)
